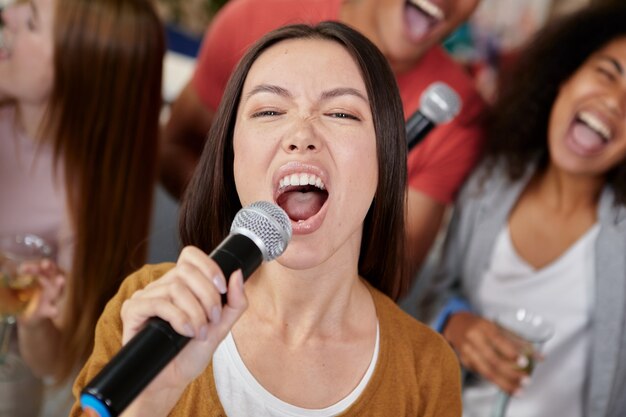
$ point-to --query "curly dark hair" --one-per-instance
(517, 124)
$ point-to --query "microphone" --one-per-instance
(260, 231)
(438, 104)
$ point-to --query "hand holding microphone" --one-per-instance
(188, 298)
(183, 309)
(438, 104)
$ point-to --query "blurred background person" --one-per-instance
(408, 33)
(540, 225)
(81, 87)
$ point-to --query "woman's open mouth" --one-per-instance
(420, 16)
(589, 134)
(303, 196)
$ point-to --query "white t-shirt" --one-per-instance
(241, 394)
(561, 292)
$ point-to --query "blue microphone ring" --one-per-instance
(89, 401)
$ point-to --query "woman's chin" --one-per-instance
(300, 256)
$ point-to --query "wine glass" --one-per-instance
(530, 331)
(17, 289)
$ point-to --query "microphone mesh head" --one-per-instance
(440, 103)
(267, 225)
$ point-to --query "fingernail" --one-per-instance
(522, 361)
(240, 277)
(219, 284)
(518, 393)
(216, 313)
(188, 330)
(525, 381)
(204, 332)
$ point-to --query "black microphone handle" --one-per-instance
(417, 127)
(150, 350)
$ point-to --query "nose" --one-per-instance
(303, 137)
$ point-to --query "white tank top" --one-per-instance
(241, 394)
(562, 292)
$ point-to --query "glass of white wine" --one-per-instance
(17, 290)
(530, 331)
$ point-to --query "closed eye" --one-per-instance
(608, 74)
(610, 67)
(341, 115)
(266, 113)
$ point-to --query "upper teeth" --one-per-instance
(596, 124)
(429, 8)
(302, 179)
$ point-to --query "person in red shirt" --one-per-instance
(408, 32)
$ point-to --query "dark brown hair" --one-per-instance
(103, 117)
(211, 200)
(518, 122)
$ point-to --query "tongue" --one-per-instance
(587, 138)
(301, 206)
(417, 22)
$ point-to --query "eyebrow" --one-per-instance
(326, 95)
(269, 88)
(614, 62)
(343, 91)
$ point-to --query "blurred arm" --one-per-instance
(182, 140)
(39, 327)
(423, 220)
(40, 346)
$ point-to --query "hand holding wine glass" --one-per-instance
(45, 306)
(529, 331)
(19, 285)
(485, 349)
(503, 351)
